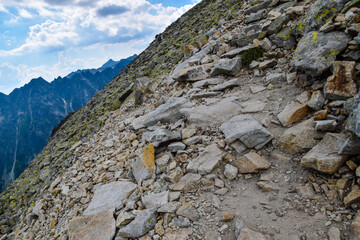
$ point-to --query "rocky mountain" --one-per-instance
(240, 121)
(28, 114)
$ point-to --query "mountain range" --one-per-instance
(29, 114)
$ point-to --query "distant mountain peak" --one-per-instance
(109, 63)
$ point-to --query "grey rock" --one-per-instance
(144, 221)
(230, 171)
(348, 106)
(143, 167)
(155, 200)
(267, 64)
(168, 112)
(99, 226)
(239, 225)
(247, 130)
(192, 140)
(226, 67)
(141, 87)
(207, 160)
(181, 222)
(324, 157)
(283, 39)
(161, 135)
(207, 82)
(228, 84)
(190, 74)
(317, 101)
(204, 95)
(317, 51)
(353, 121)
(188, 183)
(214, 114)
(248, 234)
(255, 17)
(110, 197)
(278, 24)
(325, 125)
(169, 207)
(253, 106)
(241, 42)
(176, 146)
(237, 51)
(351, 146)
(124, 218)
(258, 7)
(188, 212)
(275, 78)
(266, 44)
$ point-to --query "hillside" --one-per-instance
(240, 121)
(28, 114)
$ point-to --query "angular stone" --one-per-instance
(141, 87)
(228, 84)
(317, 51)
(352, 197)
(255, 17)
(124, 218)
(267, 64)
(190, 74)
(278, 24)
(258, 7)
(247, 130)
(317, 101)
(214, 114)
(230, 172)
(188, 183)
(144, 166)
(155, 200)
(275, 78)
(326, 125)
(252, 106)
(227, 67)
(324, 157)
(334, 233)
(248, 234)
(342, 85)
(207, 82)
(265, 44)
(351, 146)
(169, 207)
(161, 135)
(251, 163)
(204, 95)
(207, 160)
(293, 112)
(176, 146)
(188, 212)
(257, 89)
(110, 197)
(99, 226)
(299, 138)
(237, 51)
(188, 133)
(354, 231)
(144, 221)
(227, 216)
(353, 122)
(168, 112)
(284, 39)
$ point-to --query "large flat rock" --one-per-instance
(207, 160)
(144, 166)
(324, 156)
(110, 197)
(247, 130)
(99, 226)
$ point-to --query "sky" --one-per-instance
(51, 38)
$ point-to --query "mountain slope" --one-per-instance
(32, 111)
(240, 140)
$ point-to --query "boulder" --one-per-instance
(299, 138)
(226, 67)
(144, 221)
(168, 112)
(144, 166)
(110, 197)
(353, 122)
(160, 136)
(317, 101)
(237, 51)
(351, 146)
(251, 163)
(278, 24)
(141, 87)
(352, 197)
(247, 130)
(292, 113)
(283, 39)
(190, 74)
(324, 156)
(228, 84)
(99, 226)
(354, 231)
(155, 200)
(188, 183)
(207, 160)
(342, 85)
(316, 51)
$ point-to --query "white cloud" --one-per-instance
(3, 9)
(25, 14)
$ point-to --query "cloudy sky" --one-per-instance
(52, 38)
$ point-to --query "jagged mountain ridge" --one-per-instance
(203, 143)
(28, 114)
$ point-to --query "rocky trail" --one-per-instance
(254, 136)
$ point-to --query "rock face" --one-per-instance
(316, 51)
(342, 85)
(324, 157)
(144, 167)
(110, 197)
(144, 221)
(100, 226)
(207, 160)
(247, 130)
(298, 138)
